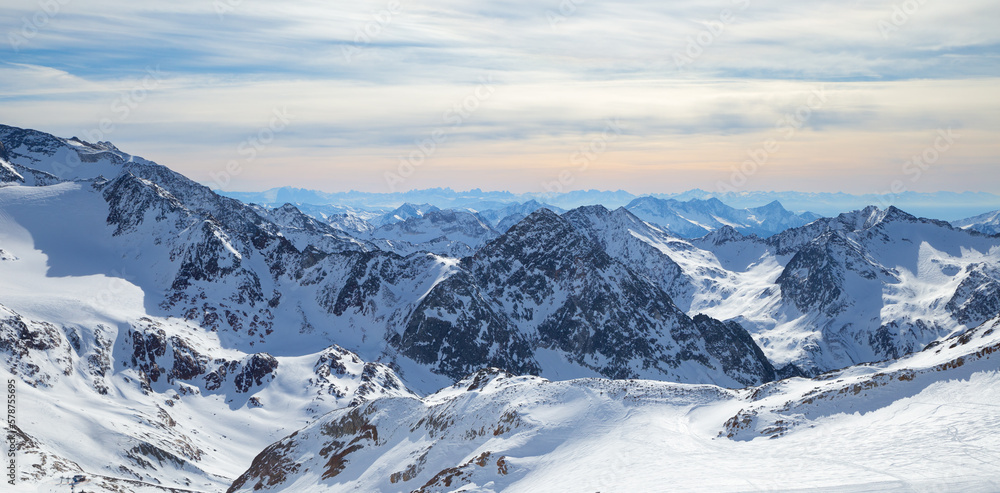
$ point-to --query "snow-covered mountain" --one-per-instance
(924, 423)
(351, 220)
(696, 218)
(404, 212)
(867, 285)
(860, 287)
(160, 335)
(139, 400)
(448, 233)
(305, 231)
(414, 228)
(124, 284)
(504, 217)
(988, 223)
(545, 297)
(939, 205)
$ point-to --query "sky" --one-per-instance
(541, 96)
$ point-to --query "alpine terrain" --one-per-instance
(158, 336)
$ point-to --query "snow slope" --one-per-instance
(104, 387)
(860, 287)
(988, 223)
(928, 422)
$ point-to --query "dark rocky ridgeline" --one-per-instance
(613, 231)
(740, 356)
(456, 329)
(977, 298)
(305, 231)
(813, 279)
(544, 284)
(7, 171)
(839, 267)
(36, 352)
(163, 360)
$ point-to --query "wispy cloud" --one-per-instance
(224, 71)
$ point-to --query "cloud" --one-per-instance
(367, 80)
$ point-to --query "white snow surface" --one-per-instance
(928, 422)
(74, 427)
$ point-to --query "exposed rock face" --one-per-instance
(548, 284)
(625, 238)
(37, 352)
(256, 370)
(977, 298)
(602, 288)
(730, 343)
(168, 359)
(545, 284)
(844, 271)
(8, 173)
(456, 329)
(813, 279)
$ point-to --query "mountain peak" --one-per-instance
(541, 223)
(596, 210)
(540, 237)
(645, 199)
(872, 216)
(715, 202)
(723, 235)
(542, 214)
(483, 378)
(772, 206)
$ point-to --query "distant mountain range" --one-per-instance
(937, 205)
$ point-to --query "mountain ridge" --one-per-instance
(160, 308)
